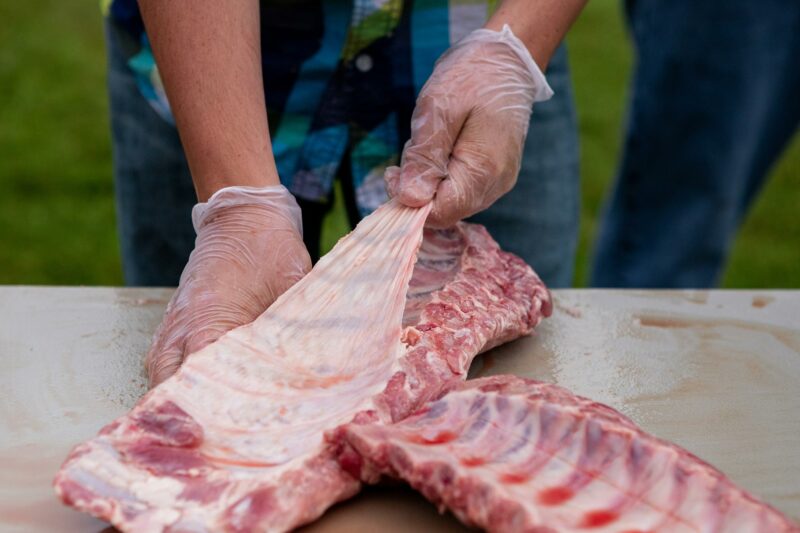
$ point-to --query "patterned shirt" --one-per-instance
(340, 80)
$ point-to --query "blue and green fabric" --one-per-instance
(340, 78)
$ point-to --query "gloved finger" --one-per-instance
(160, 363)
(483, 166)
(166, 350)
(293, 263)
(179, 339)
(391, 180)
(455, 197)
(419, 178)
(206, 335)
(437, 119)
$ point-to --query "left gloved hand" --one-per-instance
(469, 127)
(249, 250)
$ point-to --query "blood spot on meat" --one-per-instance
(442, 437)
(472, 461)
(170, 425)
(513, 478)
(351, 462)
(598, 518)
(555, 495)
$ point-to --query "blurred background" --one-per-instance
(57, 222)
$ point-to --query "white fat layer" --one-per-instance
(264, 392)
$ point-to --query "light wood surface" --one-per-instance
(717, 372)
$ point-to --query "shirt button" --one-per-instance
(364, 63)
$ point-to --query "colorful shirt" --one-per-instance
(340, 79)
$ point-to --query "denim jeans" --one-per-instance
(154, 190)
(715, 97)
(537, 220)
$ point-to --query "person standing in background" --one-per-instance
(715, 99)
(302, 93)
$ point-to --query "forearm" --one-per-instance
(540, 24)
(209, 57)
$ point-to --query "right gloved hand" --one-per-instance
(469, 126)
(249, 250)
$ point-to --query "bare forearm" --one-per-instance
(540, 24)
(208, 55)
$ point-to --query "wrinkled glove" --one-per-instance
(469, 127)
(249, 250)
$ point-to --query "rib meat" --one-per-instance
(514, 455)
(234, 441)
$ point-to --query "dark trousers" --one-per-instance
(715, 98)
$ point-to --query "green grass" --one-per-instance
(600, 58)
(56, 203)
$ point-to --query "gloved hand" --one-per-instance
(469, 127)
(249, 250)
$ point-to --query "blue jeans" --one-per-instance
(154, 190)
(715, 99)
(155, 195)
(538, 219)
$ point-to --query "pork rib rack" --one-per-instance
(234, 441)
(515, 455)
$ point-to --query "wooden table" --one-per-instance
(717, 372)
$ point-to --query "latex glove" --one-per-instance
(468, 128)
(249, 250)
